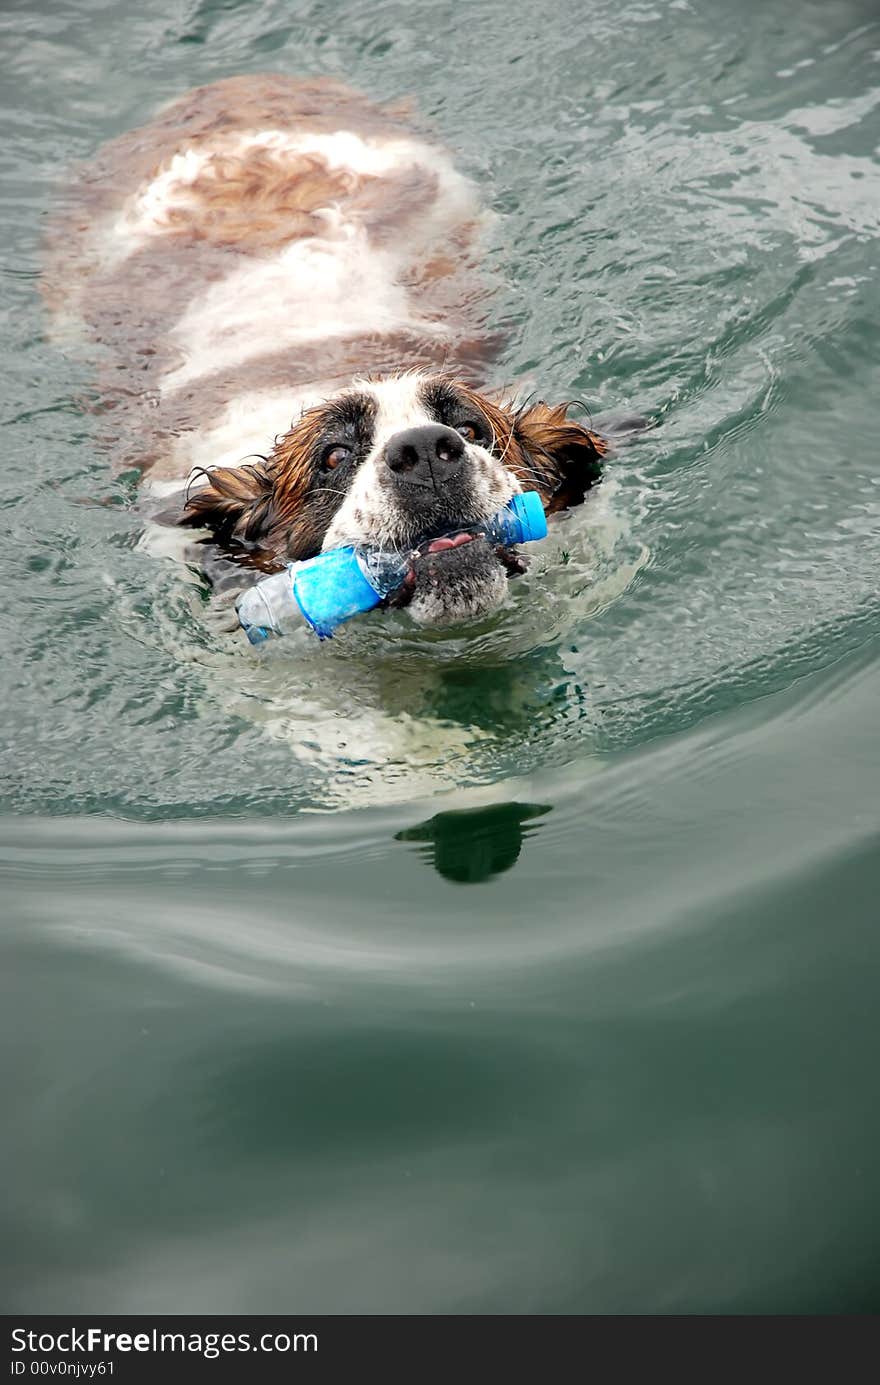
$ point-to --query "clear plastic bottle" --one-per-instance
(322, 591)
(334, 586)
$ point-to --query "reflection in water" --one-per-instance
(471, 845)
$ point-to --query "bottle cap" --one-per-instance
(529, 510)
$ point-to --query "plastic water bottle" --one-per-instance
(344, 582)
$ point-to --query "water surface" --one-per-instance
(527, 973)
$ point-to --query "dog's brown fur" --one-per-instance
(262, 505)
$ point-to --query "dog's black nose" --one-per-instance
(425, 456)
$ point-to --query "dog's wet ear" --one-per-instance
(236, 504)
(565, 457)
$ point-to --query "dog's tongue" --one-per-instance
(438, 545)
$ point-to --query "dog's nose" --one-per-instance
(425, 455)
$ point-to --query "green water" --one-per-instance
(528, 973)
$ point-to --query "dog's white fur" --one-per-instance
(370, 513)
(333, 285)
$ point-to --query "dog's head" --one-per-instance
(401, 463)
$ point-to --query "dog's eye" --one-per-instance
(469, 431)
(334, 455)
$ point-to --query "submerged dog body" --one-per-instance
(283, 278)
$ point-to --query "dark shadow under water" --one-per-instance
(471, 845)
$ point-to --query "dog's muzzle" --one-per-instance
(455, 573)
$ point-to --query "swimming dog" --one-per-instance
(282, 277)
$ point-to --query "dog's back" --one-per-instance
(257, 244)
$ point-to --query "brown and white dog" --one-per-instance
(282, 278)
